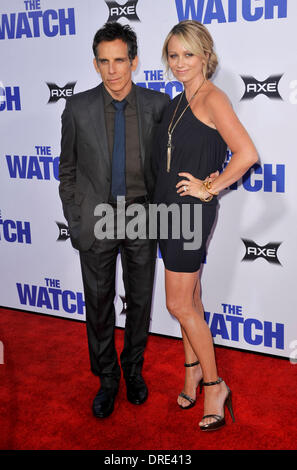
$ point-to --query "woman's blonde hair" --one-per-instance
(197, 40)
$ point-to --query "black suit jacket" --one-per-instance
(85, 166)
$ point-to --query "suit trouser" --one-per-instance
(98, 266)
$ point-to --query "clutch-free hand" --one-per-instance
(192, 187)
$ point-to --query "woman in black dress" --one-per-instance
(191, 144)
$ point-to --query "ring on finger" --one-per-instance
(185, 188)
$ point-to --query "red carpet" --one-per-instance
(47, 390)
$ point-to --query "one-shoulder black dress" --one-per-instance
(197, 149)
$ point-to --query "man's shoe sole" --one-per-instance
(136, 402)
(103, 415)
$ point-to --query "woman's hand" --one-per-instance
(192, 187)
(212, 177)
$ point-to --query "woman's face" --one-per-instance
(184, 65)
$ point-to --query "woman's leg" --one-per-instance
(193, 375)
(180, 288)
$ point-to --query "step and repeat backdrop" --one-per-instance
(249, 273)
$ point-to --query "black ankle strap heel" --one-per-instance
(219, 420)
(187, 397)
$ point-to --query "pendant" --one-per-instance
(169, 147)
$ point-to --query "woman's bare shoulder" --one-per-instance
(214, 96)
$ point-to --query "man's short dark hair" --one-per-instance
(112, 31)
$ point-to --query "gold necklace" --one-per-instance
(171, 129)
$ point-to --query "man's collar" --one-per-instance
(131, 97)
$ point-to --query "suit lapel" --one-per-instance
(144, 120)
(96, 109)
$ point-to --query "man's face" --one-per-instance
(115, 67)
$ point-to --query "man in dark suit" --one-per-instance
(106, 149)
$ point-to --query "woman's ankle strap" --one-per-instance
(208, 384)
(192, 364)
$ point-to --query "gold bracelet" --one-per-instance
(207, 199)
(207, 185)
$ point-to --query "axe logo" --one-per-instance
(116, 11)
(63, 232)
(254, 251)
(254, 87)
(56, 92)
(124, 308)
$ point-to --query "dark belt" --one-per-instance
(129, 201)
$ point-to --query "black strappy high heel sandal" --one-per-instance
(187, 397)
(220, 420)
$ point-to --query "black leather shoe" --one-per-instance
(103, 403)
(137, 391)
